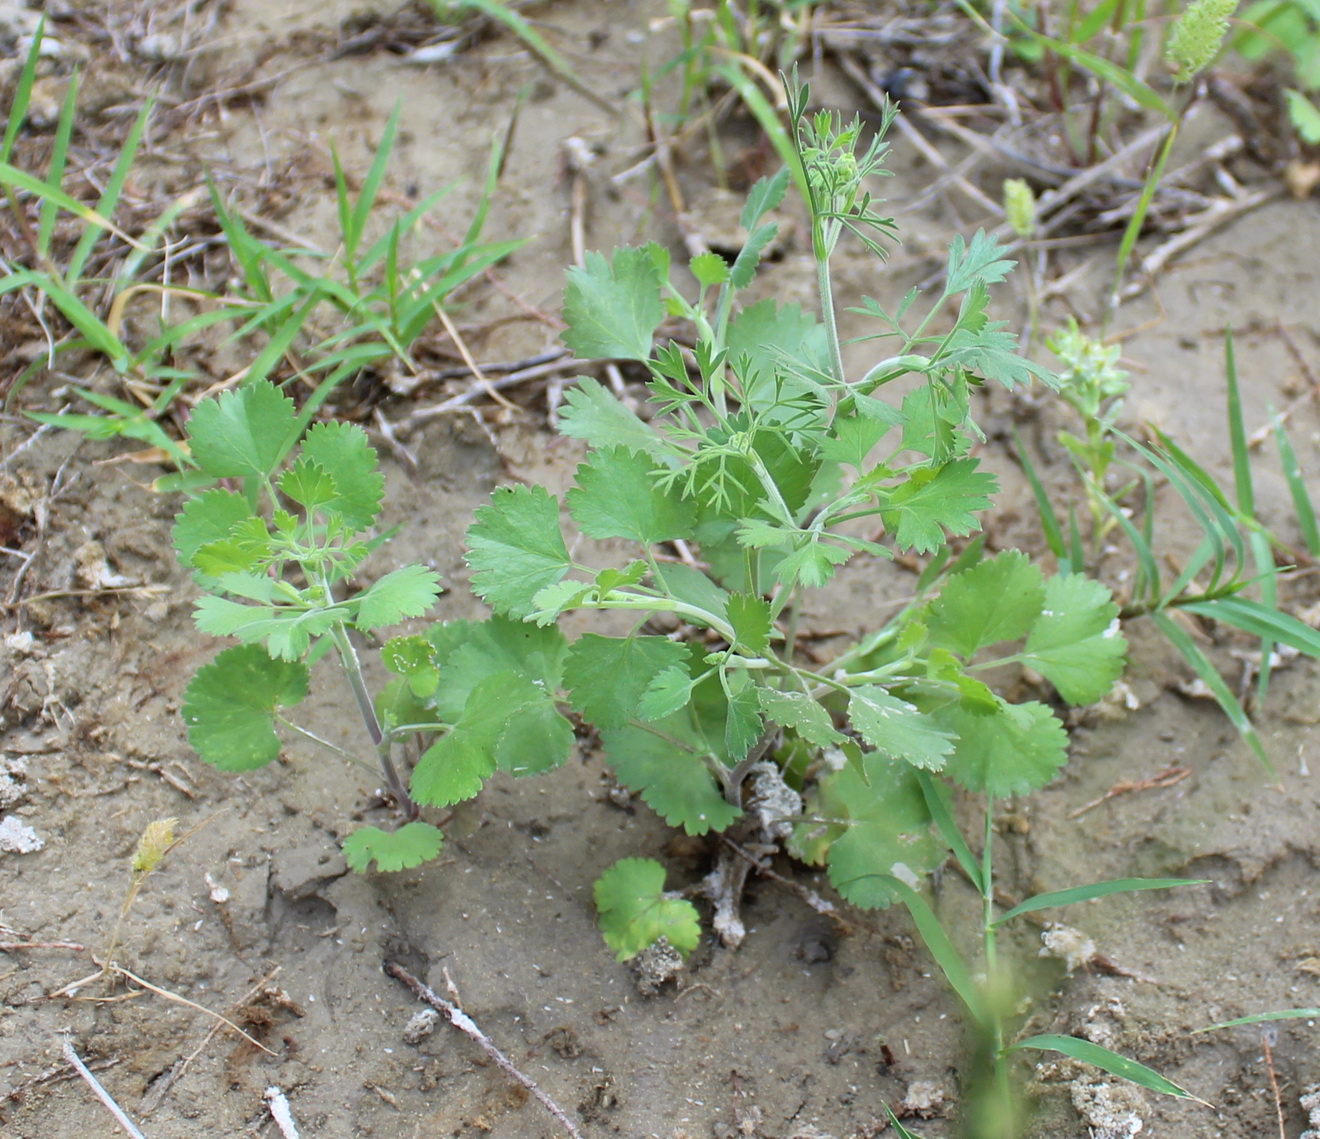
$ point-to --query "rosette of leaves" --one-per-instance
(275, 550)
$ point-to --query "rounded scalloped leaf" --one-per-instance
(244, 432)
(635, 912)
(409, 846)
(230, 704)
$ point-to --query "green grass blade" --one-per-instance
(1261, 1017)
(1259, 620)
(1138, 218)
(21, 180)
(939, 946)
(1237, 433)
(109, 200)
(151, 239)
(1292, 473)
(279, 343)
(944, 823)
(92, 328)
(1262, 554)
(1228, 703)
(371, 184)
(1107, 1061)
(1049, 519)
(899, 1130)
(55, 170)
(769, 121)
(23, 92)
(380, 246)
(1095, 890)
(243, 247)
(535, 42)
(1146, 589)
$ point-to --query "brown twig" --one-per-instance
(1166, 778)
(465, 1024)
(1266, 1043)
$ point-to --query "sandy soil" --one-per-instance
(814, 1025)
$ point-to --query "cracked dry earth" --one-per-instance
(815, 1024)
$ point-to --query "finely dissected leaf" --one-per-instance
(617, 496)
(468, 652)
(343, 450)
(996, 600)
(230, 704)
(667, 767)
(515, 549)
(936, 499)
(1095, 890)
(798, 711)
(408, 591)
(595, 415)
(606, 676)
(412, 658)
(613, 310)
(868, 820)
(1106, 1060)
(1076, 644)
(409, 846)
(750, 617)
(635, 913)
(243, 432)
(980, 261)
(994, 353)
(308, 483)
(1017, 749)
(208, 518)
(784, 340)
(897, 728)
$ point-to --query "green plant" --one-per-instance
(1237, 552)
(382, 303)
(274, 557)
(1290, 28)
(762, 456)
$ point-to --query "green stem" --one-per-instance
(826, 289)
(357, 683)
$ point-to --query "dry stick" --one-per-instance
(1166, 778)
(465, 1024)
(1257, 437)
(462, 400)
(161, 1088)
(1203, 225)
(468, 359)
(1274, 1079)
(191, 1004)
(15, 946)
(101, 1094)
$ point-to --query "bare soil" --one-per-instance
(815, 1024)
